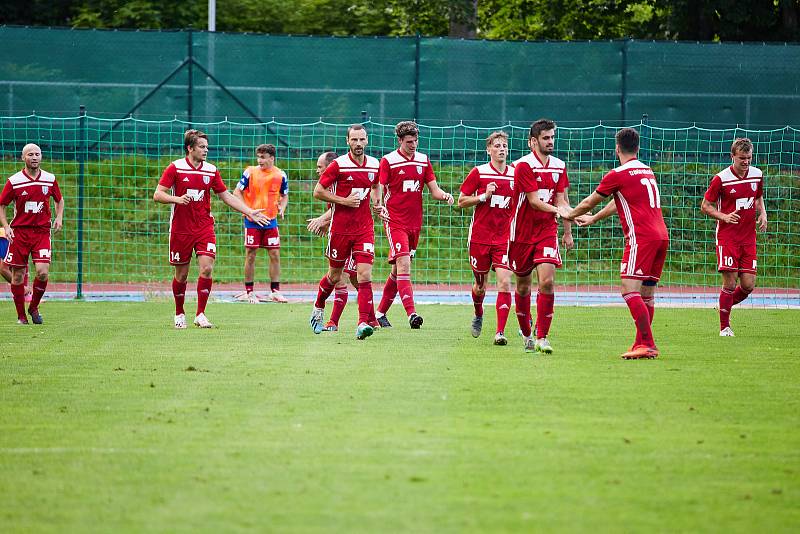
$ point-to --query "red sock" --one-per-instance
(523, 304)
(503, 307)
(203, 292)
(477, 302)
(725, 305)
(544, 313)
(389, 293)
(406, 293)
(739, 295)
(339, 302)
(644, 335)
(324, 291)
(39, 288)
(179, 293)
(650, 302)
(18, 292)
(364, 301)
(248, 287)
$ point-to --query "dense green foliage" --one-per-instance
(730, 20)
(111, 420)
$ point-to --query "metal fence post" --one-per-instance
(190, 85)
(416, 76)
(624, 89)
(81, 173)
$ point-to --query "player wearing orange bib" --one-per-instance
(265, 187)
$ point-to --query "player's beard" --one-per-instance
(358, 151)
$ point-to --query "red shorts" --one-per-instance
(484, 257)
(524, 257)
(358, 247)
(350, 266)
(268, 238)
(737, 258)
(182, 245)
(28, 241)
(644, 261)
(402, 242)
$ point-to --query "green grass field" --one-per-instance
(111, 420)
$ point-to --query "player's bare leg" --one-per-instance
(204, 282)
(275, 275)
(39, 287)
(522, 301)
(503, 304)
(250, 275)
(644, 347)
(326, 287)
(545, 298)
(18, 293)
(478, 294)
(366, 306)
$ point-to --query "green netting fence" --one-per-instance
(115, 166)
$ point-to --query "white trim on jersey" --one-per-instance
(513, 230)
(626, 210)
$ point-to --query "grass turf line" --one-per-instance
(112, 419)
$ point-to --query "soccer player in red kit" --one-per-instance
(540, 184)
(638, 204)
(490, 188)
(29, 232)
(353, 182)
(733, 198)
(402, 174)
(186, 184)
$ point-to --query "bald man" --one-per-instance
(29, 232)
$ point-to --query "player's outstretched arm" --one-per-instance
(537, 204)
(584, 206)
(709, 209)
(58, 222)
(238, 204)
(588, 219)
(440, 194)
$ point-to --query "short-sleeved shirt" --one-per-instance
(402, 179)
(342, 177)
(638, 201)
(262, 189)
(31, 197)
(546, 179)
(730, 193)
(180, 176)
(491, 219)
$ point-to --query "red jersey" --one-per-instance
(491, 219)
(195, 217)
(530, 225)
(730, 193)
(342, 177)
(31, 197)
(402, 179)
(638, 202)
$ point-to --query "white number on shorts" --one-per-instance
(652, 191)
(728, 261)
(250, 240)
(175, 256)
(473, 261)
(9, 257)
(398, 246)
(334, 253)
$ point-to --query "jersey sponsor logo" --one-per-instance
(545, 195)
(185, 179)
(273, 241)
(410, 186)
(349, 178)
(44, 252)
(24, 194)
(623, 267)
(211, 247)
(745, 203)
(34, 207)
(401, 172)
(732, 190)
(499, 201)
(196, 194)
(45, 189)
(550, 252)
(362, 192)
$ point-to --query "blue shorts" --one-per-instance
(3, 247)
